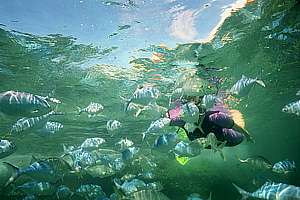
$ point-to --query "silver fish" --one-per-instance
(208, 101)
(81, 158)
(92, 143)
(100, 171)
(243, 86)
(33, 122)
(123, 144)
(143, 95)
(259, 162)
(156, 126)
(92, 109)
(129, 187)
(196, 196)
(129, 153)
(22, 103)
(271, 190)
(165, 141)
(298, 93)
(293, 108)
(90, 192)
(284, 167)
(52, 127)
(157, 186)
(6, 148)
(113, 125)
(184, 149)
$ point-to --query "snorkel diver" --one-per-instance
(216, 120)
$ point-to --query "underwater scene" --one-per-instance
(150, 99)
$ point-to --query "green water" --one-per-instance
(264, 42)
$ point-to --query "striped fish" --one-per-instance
(33, 122)
(92, 109)
(209, 101)
(272, 191)
(113, 125)
(22, 103)
(243, 86)
(259, 162)
(293, 108)
(36, 188)
(92, 143)
(148, 195)
(156, 126)
(143, 95)
(123, 144)
(52, 127)
(284, 167)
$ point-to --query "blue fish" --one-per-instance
(284, 167)
(50, 169)
(90, 191)
(36, 188)
(271, 190)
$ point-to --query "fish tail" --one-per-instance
(14, 175)
(243, 192)
(143, 136)
(127, 102)
(260, 82)
(79, 110)
(127, 105)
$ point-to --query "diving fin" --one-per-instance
(182, 159)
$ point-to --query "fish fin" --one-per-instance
(222, 155)
(243, 192)
(14, 175)
(210, 195)
(117, 182)
(127, 102)
(138, 112)
(33, 159)
(65, 148)
(260, 82)
(143, 136)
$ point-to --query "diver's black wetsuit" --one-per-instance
(215, 122)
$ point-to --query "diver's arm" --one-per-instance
(244, 132)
